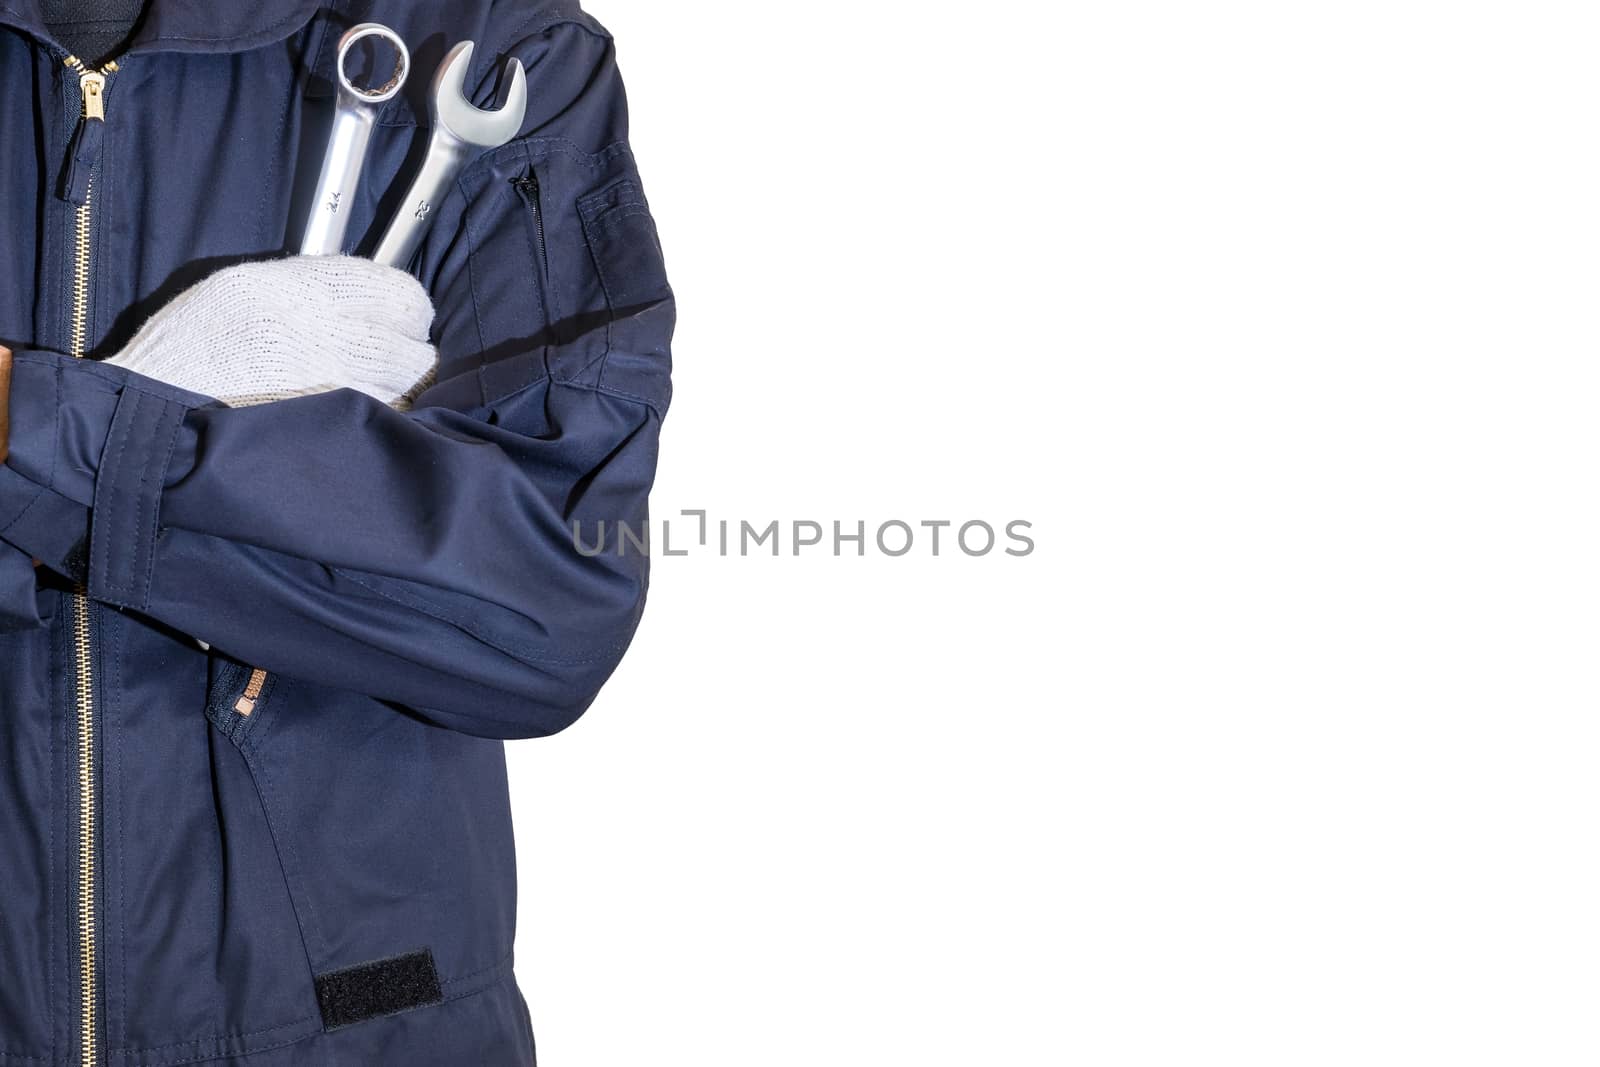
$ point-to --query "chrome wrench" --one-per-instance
(458, 129)
(353, 117)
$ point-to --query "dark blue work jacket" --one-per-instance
(253, 801)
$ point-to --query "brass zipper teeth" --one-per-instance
(252, 692)
(87, 964)
(80, 275)
(83, 644)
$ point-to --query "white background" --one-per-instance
(1278, 322)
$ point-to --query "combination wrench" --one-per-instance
(458, 129)
(354, 114)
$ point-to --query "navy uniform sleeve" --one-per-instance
(19, 605)
(19, 597)
(477, 558)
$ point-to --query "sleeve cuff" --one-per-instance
(19, 595)
(88, 436)
(127, 498)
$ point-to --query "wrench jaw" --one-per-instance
(454, 111)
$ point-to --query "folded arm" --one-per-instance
(426, 557)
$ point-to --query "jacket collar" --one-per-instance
(187, 25)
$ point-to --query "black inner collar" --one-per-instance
(92, 30)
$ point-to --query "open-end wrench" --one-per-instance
(353, 117)
(458, 129)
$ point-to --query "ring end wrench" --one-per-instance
(354, 113)
(459, 127)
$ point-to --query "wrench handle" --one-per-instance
(336, 184)
(416, 212)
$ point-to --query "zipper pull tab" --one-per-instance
(85, 146)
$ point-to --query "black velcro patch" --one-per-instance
(382, 987)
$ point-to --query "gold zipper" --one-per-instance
(92, 84)
(246, 704)
(87, 977)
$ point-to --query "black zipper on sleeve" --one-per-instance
(528, 188)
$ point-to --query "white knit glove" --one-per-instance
(258, 332)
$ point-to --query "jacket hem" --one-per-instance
(232, 1047)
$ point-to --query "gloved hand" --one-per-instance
(264, 331)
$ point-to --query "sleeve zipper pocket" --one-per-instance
(532, 195)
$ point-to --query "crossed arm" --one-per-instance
(425, 557)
